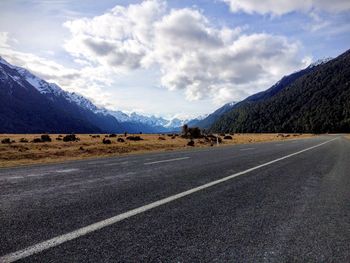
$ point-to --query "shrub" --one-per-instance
(134, 138)
(161, 138)
(112, 135)
(23, 140)
(228, 137)
(222, 134)
(195, 132)
(190, 143)
(70, 138)
(59, 139)
(6, 141)
(106, 141)
(45, 138)
(120, 140)
(37, 140)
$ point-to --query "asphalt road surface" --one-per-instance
(268, 202)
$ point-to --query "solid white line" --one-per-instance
(247, 149)
(26, 252)
(169, 160)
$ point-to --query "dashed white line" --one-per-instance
(168, 160)
(26, 252)
(67, 170)
(247, 149)
(113, 164)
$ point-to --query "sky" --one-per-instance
(170, 58)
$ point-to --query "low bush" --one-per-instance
(6, 141)
(106, 141)
(112, 135)
(59, 139)
(134, 138)
(190, 143)
(161, 138)
(228, 137)
(37, 140)
(70, 138)
(120, 140)
(23, 140)
(45, 138)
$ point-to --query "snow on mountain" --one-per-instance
(320, 62)
(51, 89)
(153, 121)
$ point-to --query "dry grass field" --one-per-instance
(89, 146)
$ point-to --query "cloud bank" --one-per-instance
(282, 7)
(192, 53)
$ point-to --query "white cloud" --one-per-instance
(281, 7)
(191, 53)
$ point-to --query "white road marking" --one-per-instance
(247, 149)
(15, 177)
(37, 175)
(67, 170)
(53, 242)
(169, 160)
(112, 164)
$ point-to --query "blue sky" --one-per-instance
(170, 58)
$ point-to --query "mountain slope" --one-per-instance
(211, 118)
(280, 85)
(318, 101)
(29, 104)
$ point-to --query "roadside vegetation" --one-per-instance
(19, 149)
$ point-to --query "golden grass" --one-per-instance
(18, 153)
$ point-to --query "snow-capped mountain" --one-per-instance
(320, 62)
(74, 106)
(29, 104)
(159, 123)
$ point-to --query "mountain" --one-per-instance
(315, 100)
(206, 122)
(135, 122)
(29, 104)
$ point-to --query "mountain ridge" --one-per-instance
(315, 102)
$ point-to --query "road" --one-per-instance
(268, 202)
